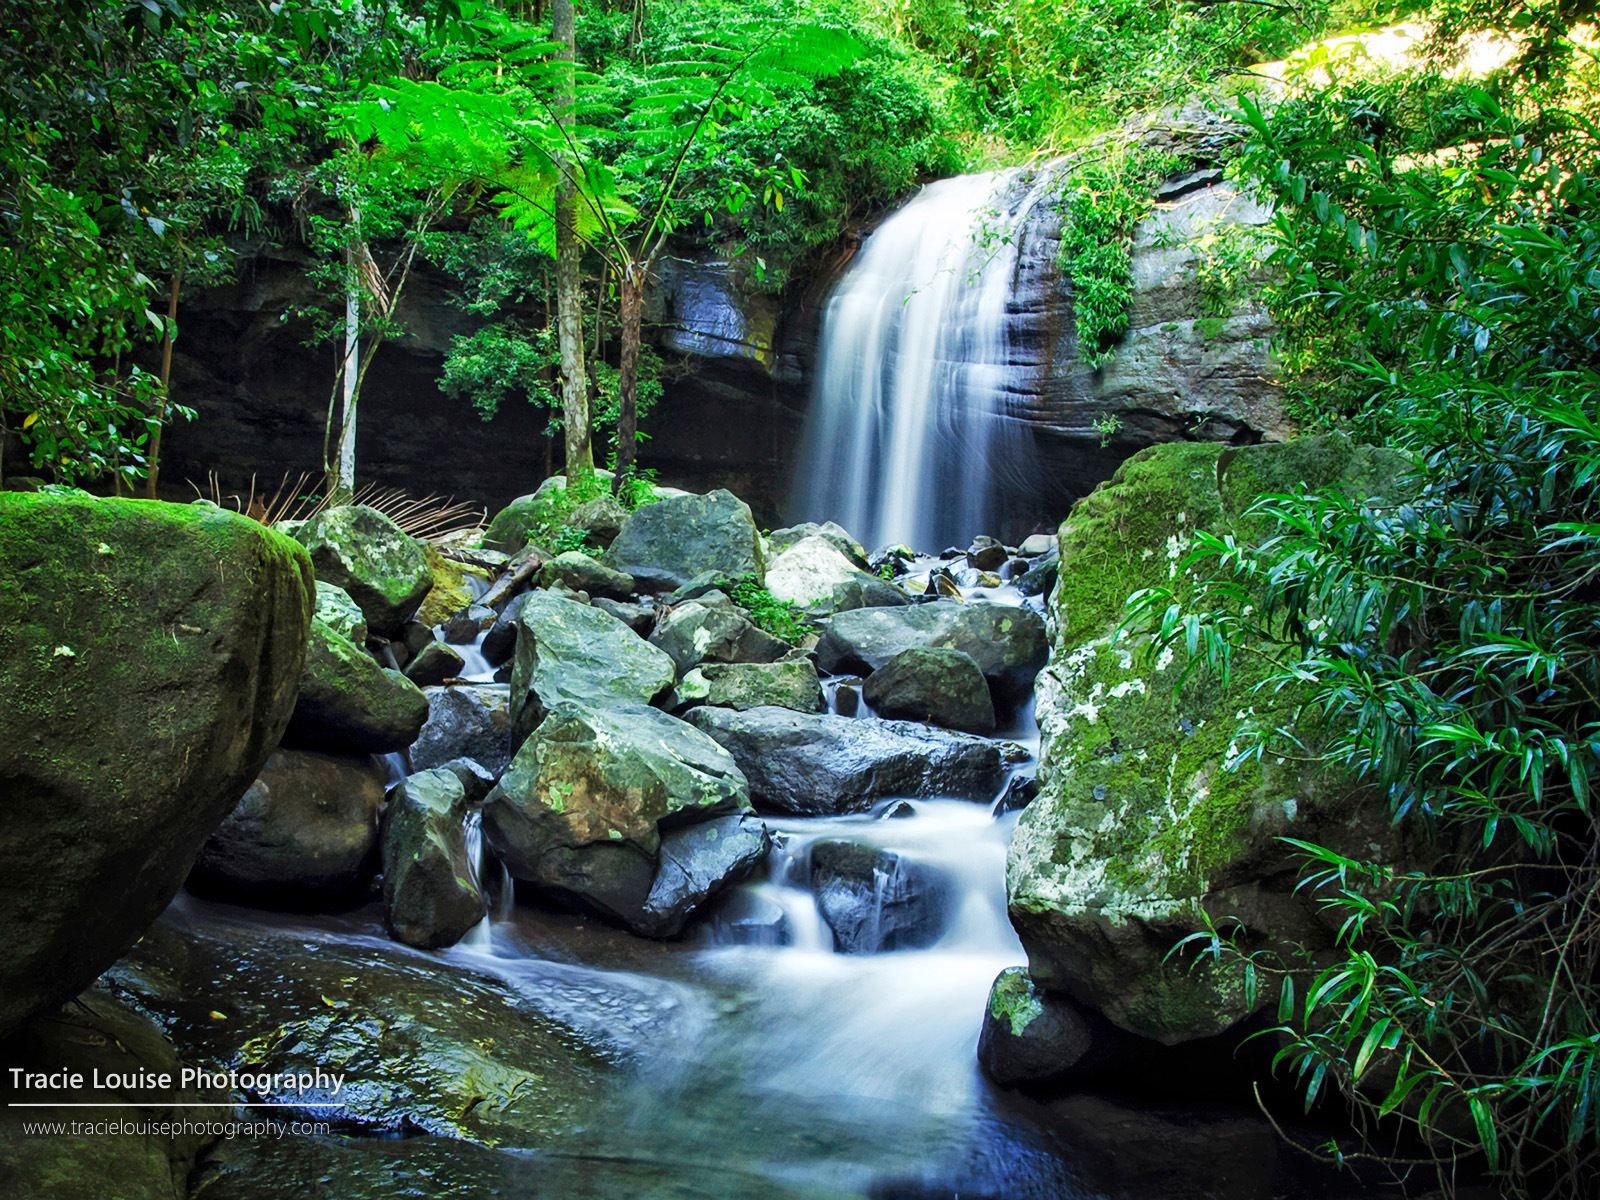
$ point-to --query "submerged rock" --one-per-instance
(789, 683)
(384, 570)
(712, 630)
(815, 764)
(666, 544)
(465, 720)
(627, 810)
(149, 655)
(305, 835)
(430, 896)
(875, 900)
(349, 704)
(817, 576)
(942, 686)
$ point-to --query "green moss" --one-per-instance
(1014, 1001)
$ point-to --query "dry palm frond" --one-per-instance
(431, 518)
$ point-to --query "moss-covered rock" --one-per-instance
(1139, 831)
(383, 568)
(712, 629)
(149, 656)
(449, 589)
(576, 570)
(789, 683)
(928, 683)
(1035, 1039)
(349, 704)
(339, 613)
(431, 898)
(666, 544)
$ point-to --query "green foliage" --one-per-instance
(501, 362)
(781, 618)
(569, 537)
(1440, 256)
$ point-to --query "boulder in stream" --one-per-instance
(944, 687)
(1037, 1039)
(580, 573)
(875, 900)
(788, 683)
(665, 544)
(814, 574)
(713, 629)
(430, 896)
(349, 704)
(470, 720)
(384, 569)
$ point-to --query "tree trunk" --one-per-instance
(167, 335)
(345, 481)
(630, 306)
(569, 293)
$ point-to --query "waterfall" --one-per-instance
(911, 438)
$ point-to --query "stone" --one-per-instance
(339, 613)
(434, 664)
(453, 587)
(500, 643)
(626, 810)
(466, 720)
(666, 544)
(814, 574)
(431, 898)
(1139, 834)
(572, 652)
(576, 570)
(304, 837)
(384, 570)
(875, 900)
(476, 780)
(349, 704)
(463, 628)
(602, 519)
(1036, 544)
(944, 687)
(986, 553)
(149, 656)
(511, 527)
(1008, 643)
(817, 764)
(1038, 579)
(708, 631)
(790, 683)
(1033, 1039)
(635, 616)
(780, 540)
(708, 585)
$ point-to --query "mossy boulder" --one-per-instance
(602, 519)
(788, 683)
(431, 897)
(1034, 1039)
(149, 656)
(665, 544)
(568, 651)
(626, 810)
(942, 686)
(349, 704)
(1140, 832)
(815, 574)
(384, 569)
(452, 588)
(339, 613)
(304, 837)
(713, 629)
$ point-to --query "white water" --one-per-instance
(910, 425)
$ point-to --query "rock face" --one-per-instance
(713, 630)
(875, 901)
(815, 574)
(381, 568)
(942, 686)
(666, 544)
(568, 651)
(813, 765)
(430, 895)
(1034, 1038)
(627, 810)
(791, 683)
(349, 704)
(1007, 643)
(465, 721)
(305, 835)
(1138, 830)
(149, 655)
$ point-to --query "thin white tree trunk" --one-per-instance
(352, 365)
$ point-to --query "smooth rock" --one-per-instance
(349, 704)
(790, 683)
(875, 900)
(1036, 544)
(986, 553)
(384, 570)
(430, 897)
(817, 576)
(705, 631)
(944, 687)
(780, 540)
(1036, 1039)
(666, 544)
(465, 720)
(434, 664)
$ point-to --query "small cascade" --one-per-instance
(911, 438)
(493, 879)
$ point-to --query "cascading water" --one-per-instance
(911, 437)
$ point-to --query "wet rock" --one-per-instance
(635, 616)
(463, 628)
(455, 586)
(790, 683)
(417, 637)
(706, 586)
(578, 571)
(433, 665)
(384, 570)
(305, 835)
(875, 900)
(602, 519)
(1035, 1039)
(944, 687)
(746, 918)
(349, 703)
(1019, 793)
(897, 558)
(477, 781)
(568, 651)
(666, 544)
(500, 643)
(339, 613)
(898, 811)
(1036, 544)
(704, 631)
(430, 896)
(780, 540)
(1041, 576)
(986, 553)
(813, 765)
(465, 720)
(1007, 643)
(627, 810)
(817, 576)
(847, 696)
(149, 656)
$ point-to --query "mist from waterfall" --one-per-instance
(910, 438)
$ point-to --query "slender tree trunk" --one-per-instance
(345, 479)
(569, 293)
(630, 307)
(167, 336)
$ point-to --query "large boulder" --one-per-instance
(602, 519)
(875, 900)
(577, 571)
(149, 655)
(713, 630)
(835, 535)
(568, 651)
(925, 684)
(465, 720)
(453, 586)
(1007, 643)
(665, 544)
(814, 764)
(383, 568)
(815, 574)
(1140, 832)
(627, 810)
(349, 704)
(789, 683)
(431, 897)
(305, 835)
